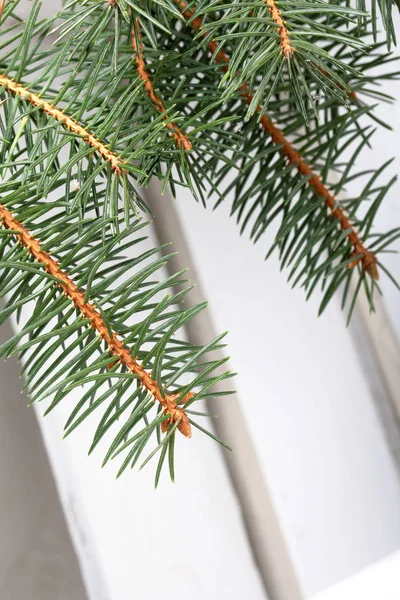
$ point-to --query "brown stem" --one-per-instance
(116, 346)
(180, 138)
(365, 256)
(286, 46)
(68, 122)
(351, 93)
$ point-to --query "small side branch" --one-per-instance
(351, 93)
(68, 122)
(286, 46)
(180, 138)
(363, 255)
(87, 309)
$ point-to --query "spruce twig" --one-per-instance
(181, 139)
(69, 123)
(362, 254)
(116, 345)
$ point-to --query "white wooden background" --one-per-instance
(311, 412)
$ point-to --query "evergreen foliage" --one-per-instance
(257, 102)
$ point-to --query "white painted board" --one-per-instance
(306, 401)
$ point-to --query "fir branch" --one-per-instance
(68, 122)
(362, 254)
(88, 311)
(95, 317)
(181, 139)
(249, 29)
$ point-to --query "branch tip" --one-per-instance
(286, 46)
